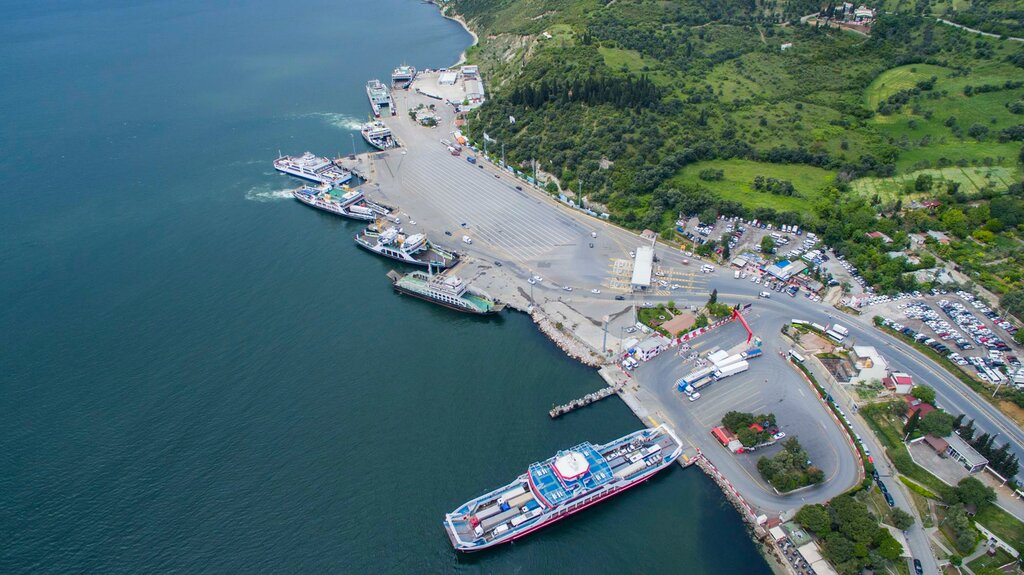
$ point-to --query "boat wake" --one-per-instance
(267, 193)
(340, 121)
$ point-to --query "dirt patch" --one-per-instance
(1013, 411)
(814, 343)
(682, 322)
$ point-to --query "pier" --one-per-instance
(587, 399)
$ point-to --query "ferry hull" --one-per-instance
(404, 291)
(556, 517)
(413, 262)
(310, 178)
(341, 212)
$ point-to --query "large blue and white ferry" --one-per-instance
(551, 490)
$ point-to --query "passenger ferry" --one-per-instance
(413, 249)
(449, 291)
(402, 76)
(313, 168)
(349, 204)
(378, 135)
(379, 95)
(556, 488)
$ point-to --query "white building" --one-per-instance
(650, 347)
(448, 78)
(899, 383)
(869, 363)
(643, 267)
(474, 90)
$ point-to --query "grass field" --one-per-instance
(971, 180)
(1006, 526)
(934, 125)
(998, 560)
(891, 81)
(739, 176)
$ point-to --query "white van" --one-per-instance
(467, 239)
(736, 274)
(765, 294)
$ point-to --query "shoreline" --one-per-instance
(465, 26)
(576, 349)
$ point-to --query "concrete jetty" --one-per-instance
(560, 410)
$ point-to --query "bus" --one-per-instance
(796, 356)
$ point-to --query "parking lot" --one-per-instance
(960, 327)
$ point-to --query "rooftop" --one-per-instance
(643, 266)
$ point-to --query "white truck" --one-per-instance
(732, 369)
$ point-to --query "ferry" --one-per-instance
(313, 168)
(556, 488)
(378, 135)
(379, 95)
(402, 76)
(349, 204)
(449, 291)
(413, 249)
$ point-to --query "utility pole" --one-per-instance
(503, 154)
(579, 186)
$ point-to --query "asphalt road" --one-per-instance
(770, 385)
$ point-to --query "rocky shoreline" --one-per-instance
(572, 347)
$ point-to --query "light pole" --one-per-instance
(604, 342)
(353, 136)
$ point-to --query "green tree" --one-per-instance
(901, 519)
(816, 518)
(767, 244)
(955, 221)
(714, 297)
(890, 548)
(924, 393)
(937, 423)
(971, 491)
(912, 423)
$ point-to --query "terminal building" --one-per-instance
(643, 268)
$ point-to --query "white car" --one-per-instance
(467, 239)
(567, 288)
(538, 279)
(779, 435)
(595, 290)
(695, 396)
(632, 254)
(532, 281)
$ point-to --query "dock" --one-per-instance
(560, 410)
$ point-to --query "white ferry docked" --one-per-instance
(350, 204)
(313, 168)
(556, 488)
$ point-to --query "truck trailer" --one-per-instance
(732, 369)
